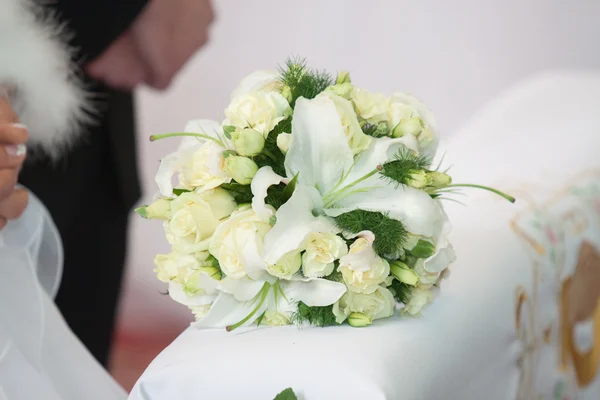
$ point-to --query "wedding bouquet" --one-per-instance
(313, 202)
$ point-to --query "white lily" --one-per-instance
(198, 158)
(331, 181)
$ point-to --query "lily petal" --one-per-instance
(177, 293)
(380, 151)
(252, 261)
(420, 214)
(262, 181)
(204, 126)
(319, 150)
(313, 292)
(295, 220)
(444, 252)
(226, 310)
(164, 176)
(244, 289)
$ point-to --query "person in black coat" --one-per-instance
(90, 192)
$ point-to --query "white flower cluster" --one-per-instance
(265, 219)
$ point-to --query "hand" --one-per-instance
(160, 41)
(12, 154)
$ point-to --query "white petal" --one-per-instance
(444, 252)
(313, 292)
(244, 289)
(264, 178)
(259, 80)
(426, 115)
(164, 176)
(227, 311)
(441, 260)
(319, 150)
(295, 220)
(420, 214)
(204, 126)
(252, 261)
(380, 151)
(177, 293)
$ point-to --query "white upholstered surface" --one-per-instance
(496, 330)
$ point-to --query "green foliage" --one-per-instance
(142, 211)
(287, 394)
(289, 189)
(400, 291)
(316, 316)
(242, 194)
(303, 81)
(404, 164)
(275, 196)
(179, 192)
(271, 155)
(390, 234)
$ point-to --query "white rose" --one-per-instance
(195, 216)
(259, 81)
(362, 269)
(275, 318)
(322, 249)
(186, 270)
(261, 111)
(159, 209)
(357, 140)
(408, 116)
(377, 305)
(231, 236)
(372, 107)
(287, 265)
(173, 265)
(418, 298)
(202, 167)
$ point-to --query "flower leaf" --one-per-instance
(179, 192)
(289, 189)
(141, 211)
(287, 394)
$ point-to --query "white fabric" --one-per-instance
(40, 358)
(468, 345)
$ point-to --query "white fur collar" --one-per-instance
(35, 61)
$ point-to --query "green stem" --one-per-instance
(489, 189)
(269, 154)
(154, 138)
(263, 296)
(337, 195)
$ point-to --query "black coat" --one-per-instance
(90, 191)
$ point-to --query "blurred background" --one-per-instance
(455, 56)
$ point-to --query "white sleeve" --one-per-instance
(37, 74)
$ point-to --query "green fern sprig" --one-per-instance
(242, 194)
(404, 165)
(315, 316)
(303, 81)
(400, 290)
(390, 234)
